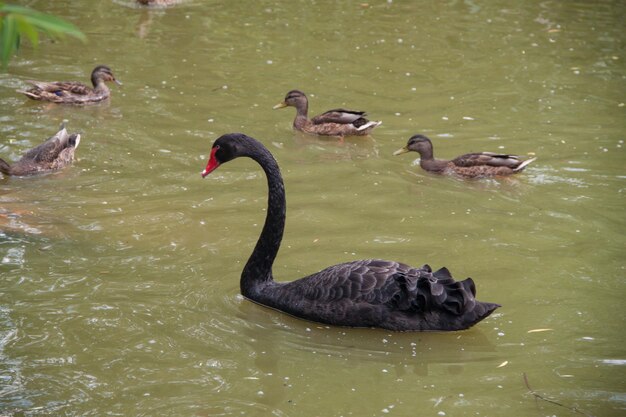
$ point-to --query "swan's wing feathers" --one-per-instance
(359, 281)
(423, 291)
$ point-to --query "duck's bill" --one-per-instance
(401, 151)
(118, 82)
(280, 105)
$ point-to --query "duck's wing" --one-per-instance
(340, 116)
(487, 159)
(57, 89)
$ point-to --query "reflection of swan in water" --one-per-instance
(365, 293)
(280, 349)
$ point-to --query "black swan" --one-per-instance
(366, 293)
(55, 153)
(336, 122)
(471, 165)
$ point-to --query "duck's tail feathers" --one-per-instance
(369, 125)
(524, 164)
(5, 168)
(29, 94)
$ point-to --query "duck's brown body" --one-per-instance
(336, 122)
(55, 153)
(471, 165)
(72, 92)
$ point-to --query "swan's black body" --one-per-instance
(367, 293)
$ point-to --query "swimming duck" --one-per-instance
(55, 153)
(72, 92)
(471, 165)
(336, 122)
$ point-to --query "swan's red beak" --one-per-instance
(212, 164)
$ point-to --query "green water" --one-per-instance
(119, 290)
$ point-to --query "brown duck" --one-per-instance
(55, 153)
(471, 165)
(72, 92)
(336, 122)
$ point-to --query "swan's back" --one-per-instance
(379, 293)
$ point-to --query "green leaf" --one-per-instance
(17, 21)
(8, 39)
(27, 30)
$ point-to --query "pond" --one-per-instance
(119, 276)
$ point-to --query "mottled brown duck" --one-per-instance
(336, 122)
(471, 165)
(72, 92)
(54, 154)
(366, 293)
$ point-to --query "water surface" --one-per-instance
(119, 276)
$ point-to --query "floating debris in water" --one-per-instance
(539, 330)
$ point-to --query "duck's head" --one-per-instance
(74, 140)
(418, 143)
(294, 98)
(104, 73)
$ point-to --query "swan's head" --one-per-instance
(104, 73)
(294, 98)
(225, 148)
(417, 143)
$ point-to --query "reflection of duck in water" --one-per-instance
(365, 293)
(14, 222)
(72, 92)
(55, 153)
(336, 122)
(471, 165)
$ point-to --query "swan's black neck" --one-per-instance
(258, 269)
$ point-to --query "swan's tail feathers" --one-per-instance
(525, 164)
(445, 304)
(481, 311)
